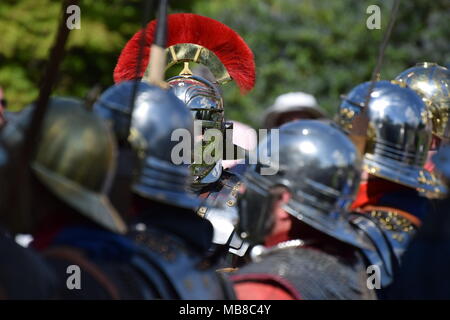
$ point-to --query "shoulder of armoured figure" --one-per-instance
(392, 219)
(37, 279)
(164, 256)
(292, 267)
(390, 230)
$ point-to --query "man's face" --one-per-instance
(282, 221)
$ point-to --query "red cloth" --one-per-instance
(49, 227)
(263, 287)
(260, 291)
(47, 230)
(429, 166)
(371, 191)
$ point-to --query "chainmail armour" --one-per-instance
(316, 275)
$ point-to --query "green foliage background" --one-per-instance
(318, 46)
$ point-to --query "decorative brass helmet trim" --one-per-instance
(426, 183)
(189, 52)
(138, 142)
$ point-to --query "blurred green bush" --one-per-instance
(318, 46)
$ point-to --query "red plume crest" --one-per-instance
(228, 46)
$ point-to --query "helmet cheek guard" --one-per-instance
(255, 209)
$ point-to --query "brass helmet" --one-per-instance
(75, 159)
(195, 39)
(398, 136)
(432, 82)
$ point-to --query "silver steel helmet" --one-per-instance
(157, 113)
(398, 136)
(320, 167)
(204, 100)
(432, 82)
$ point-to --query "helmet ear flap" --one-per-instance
(256, 214)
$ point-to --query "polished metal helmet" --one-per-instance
(156, 115)
(320, 167)
(75, 158)
(432, 82)
(194, 39)
(398, 136)
(205, 102)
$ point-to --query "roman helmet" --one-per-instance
(74, 159)
(148, 130)
(194, 39)
(398, 135)
(320, 167)
(432, 82)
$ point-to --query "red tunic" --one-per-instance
(263, 287)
